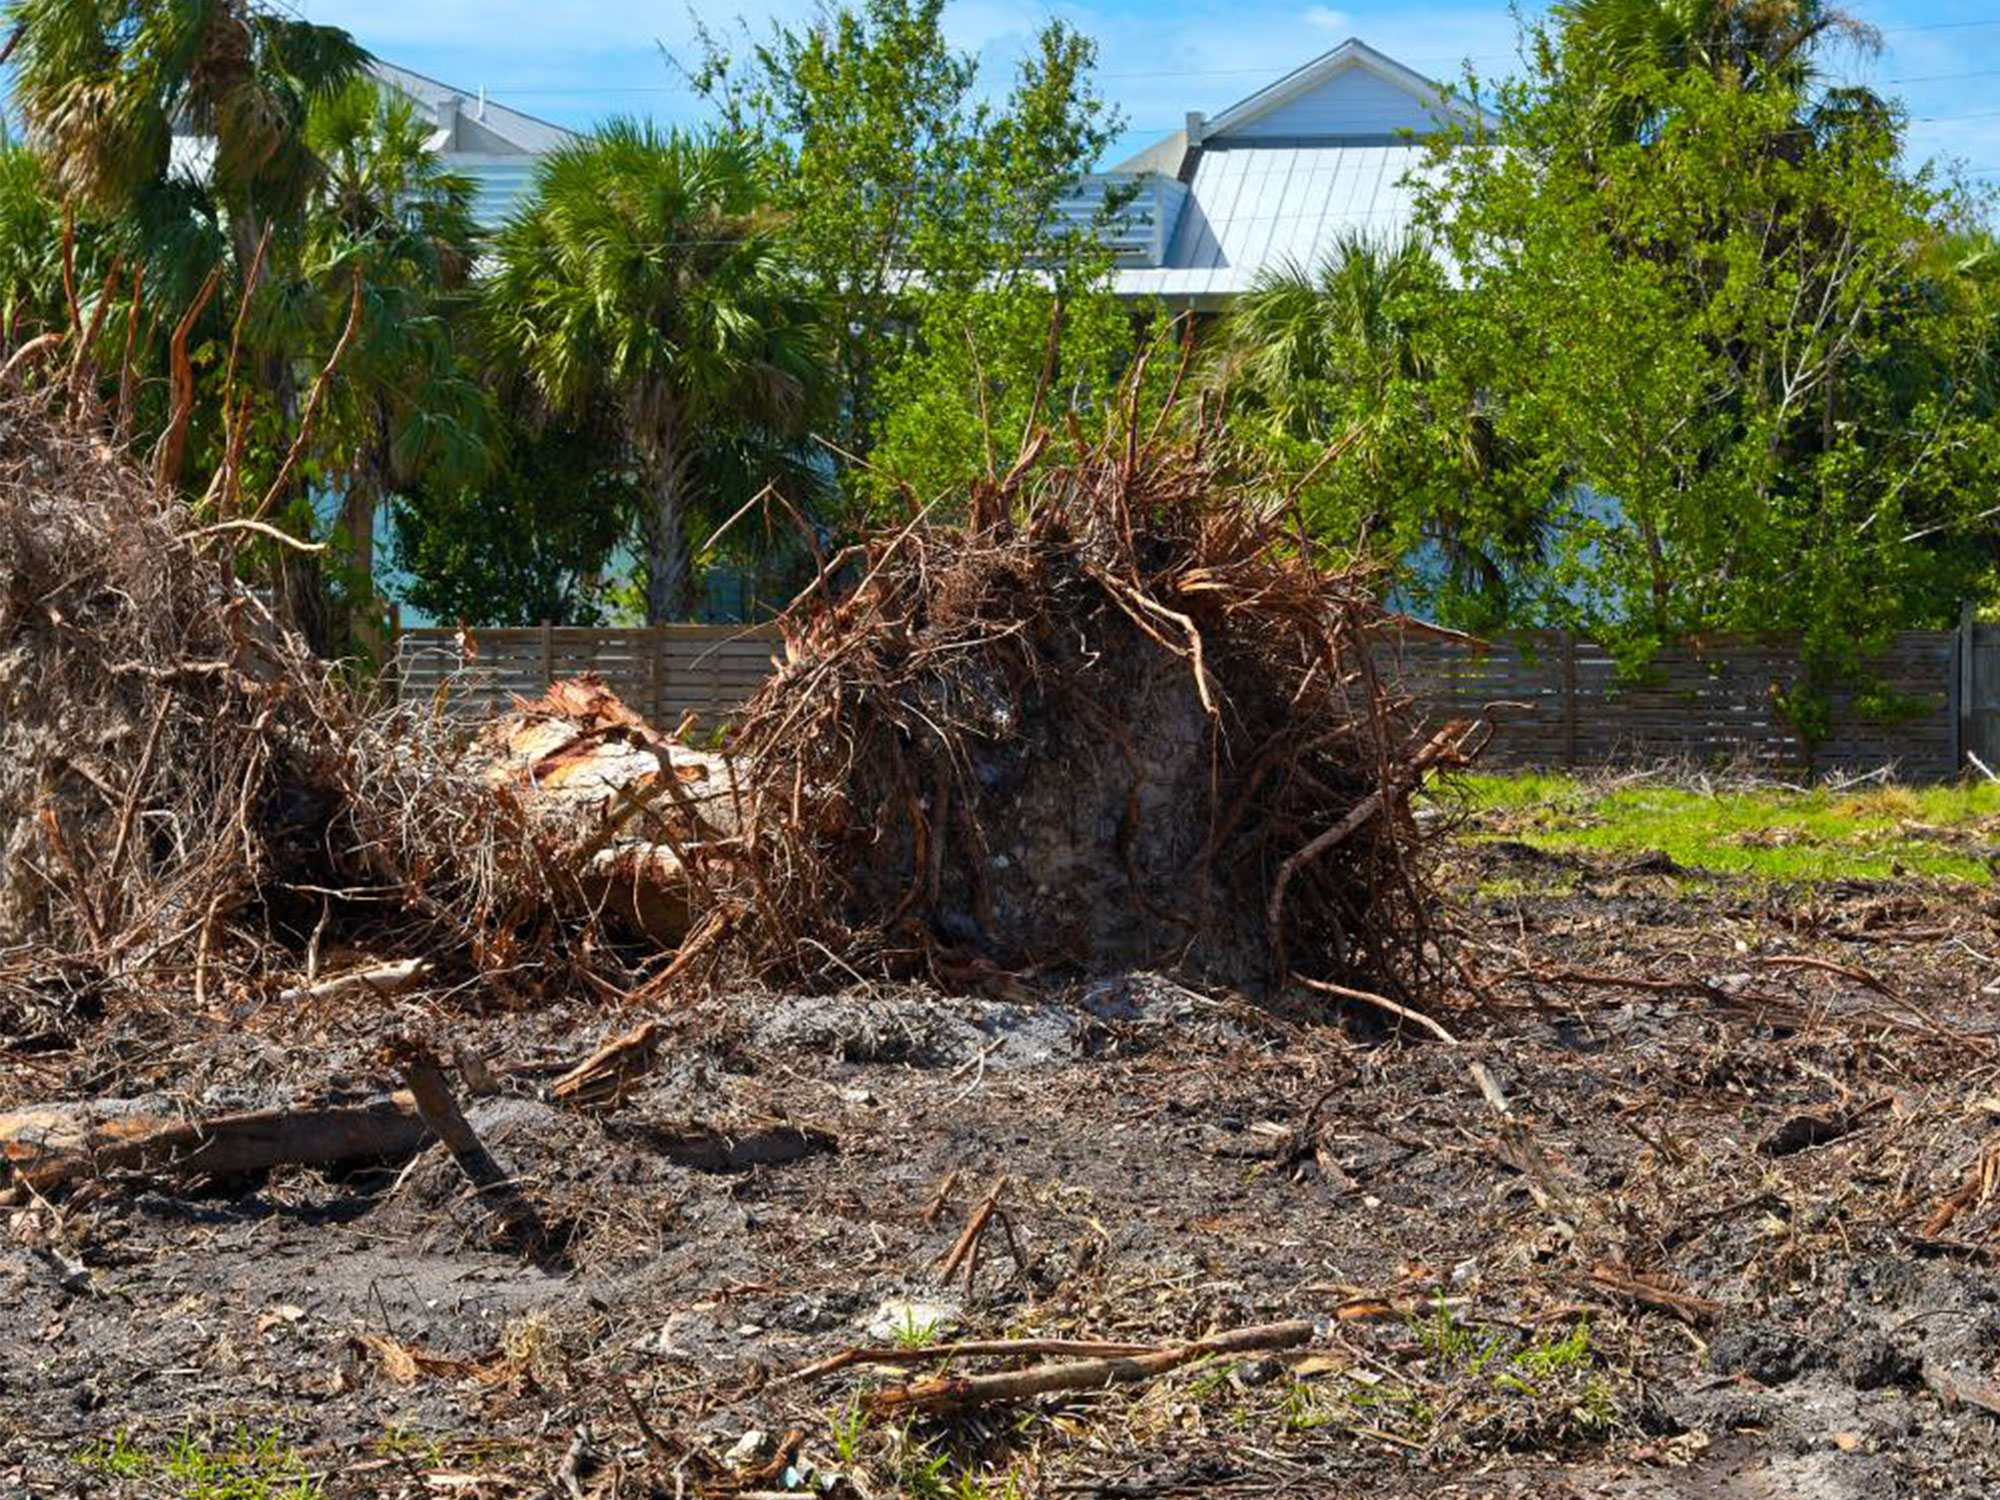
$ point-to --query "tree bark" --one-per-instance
(668, 566)
(357, 519)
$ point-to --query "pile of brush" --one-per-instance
(1095, 713)
(190, 801)
(159, 736)
(1105, 712)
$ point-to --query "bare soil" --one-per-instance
(1732, 1184)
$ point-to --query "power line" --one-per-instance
(1945, 77)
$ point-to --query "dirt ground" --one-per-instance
(1732, 1237)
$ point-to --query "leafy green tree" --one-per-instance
(991, 368)
(31, 230)
(1732, 340)
(536, 540)
(647, 278)
(906, 195)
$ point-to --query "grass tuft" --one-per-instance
(205, 1467)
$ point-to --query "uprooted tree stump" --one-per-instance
(1110, 711)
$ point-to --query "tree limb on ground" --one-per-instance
(949, 1393)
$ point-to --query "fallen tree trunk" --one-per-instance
(50, 1145)
(46, 1146)
(627, 812)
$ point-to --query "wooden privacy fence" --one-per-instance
(663, 671)
(1712, 701)
(1715, 700)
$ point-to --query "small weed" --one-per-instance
(847, 1430)
(1394, 1407)
(924, 1474)
(1304, 1409)
(194, 1467)
(1563, 1371)
(398, 1442)
(914, 1334)
(1454, 1344)
(1209, 1382)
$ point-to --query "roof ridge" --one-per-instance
(375, 62)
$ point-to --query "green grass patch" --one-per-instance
(206, 1467)
(1767, 833)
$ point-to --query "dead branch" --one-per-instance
(970, 1349)
(167, 467)
(949, 1393)
(1646, 1292)
(313, 399)
(50, 1145)
(1381, 1002)
(608, 1074)
(519, 1220)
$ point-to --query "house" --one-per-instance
(1277, 179)
(493, 145)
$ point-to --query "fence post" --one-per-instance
(656, 673)
(1963, 727)
(548, 656)
(392, 664)
(1569, 698)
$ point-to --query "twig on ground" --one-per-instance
(969, 1349)
(1380, 1002)
(951, 1393)
(965, 1251)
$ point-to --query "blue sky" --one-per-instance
(575, 61)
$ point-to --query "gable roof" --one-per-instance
(1331, 152)
(493, 128)
(1350, 56)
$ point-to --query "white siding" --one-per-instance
(1353, 102)
(501, 186)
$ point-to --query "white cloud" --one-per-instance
(1326, 19)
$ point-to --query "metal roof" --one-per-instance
(1352, 55)
(1331, 151)
(1250, 209)
(493, 128)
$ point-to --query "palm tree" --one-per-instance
(645, 277)
(1753, 44)
(1300, 338)
(1347, 353)
(406, 406)
(105, 88)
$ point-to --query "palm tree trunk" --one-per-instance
(357, 520)
(668, 566)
